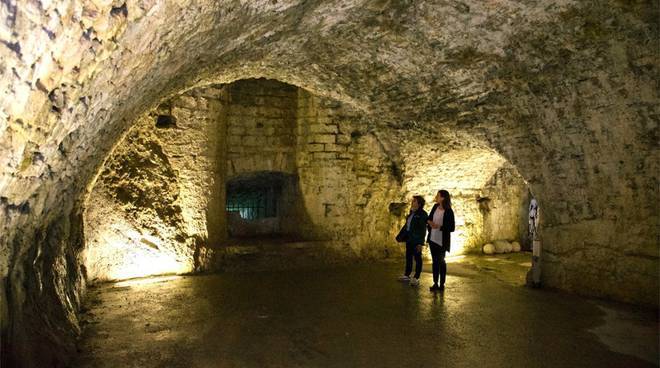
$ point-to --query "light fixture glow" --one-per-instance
(122, 252)
(141, 262)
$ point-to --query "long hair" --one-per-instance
(446, 203)
(420, 201)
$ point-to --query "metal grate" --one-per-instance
(253, 203)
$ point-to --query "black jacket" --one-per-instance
(417, 228)
(447, 227)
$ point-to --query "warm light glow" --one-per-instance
(122, 252)
(140, 262)
(146, 281)
(463, 173)
(458, 240)
(457, 258)
(463, 169)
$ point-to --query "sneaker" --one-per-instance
(404, 278)
(414, 282)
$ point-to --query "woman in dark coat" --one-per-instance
(440, 226)
(413, 232)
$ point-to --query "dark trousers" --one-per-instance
(439, 264)
(411, 251)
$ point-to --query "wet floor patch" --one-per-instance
(343, 317)
(510, 268)
(629, 330)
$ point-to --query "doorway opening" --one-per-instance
(261, 205)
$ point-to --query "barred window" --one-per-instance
(252, 202)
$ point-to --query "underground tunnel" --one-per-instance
(221, 183)
(259, 162)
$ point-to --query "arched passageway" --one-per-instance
(262, 159)
(563, 91)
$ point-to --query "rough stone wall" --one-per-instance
(470, 174)
(583, 142)
(565, 90)
(470, 225)
(134, 213)
(503, 202)
(157, 197)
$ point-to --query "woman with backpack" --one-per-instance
(413, 234)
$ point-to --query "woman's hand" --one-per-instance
(419, 248)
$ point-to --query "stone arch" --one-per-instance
(220, 133)
(488, 192)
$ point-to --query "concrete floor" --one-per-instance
(360, 317)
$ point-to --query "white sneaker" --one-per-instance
(414, 282)
(404, 278)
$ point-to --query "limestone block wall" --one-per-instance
(194, 145)
(260, 125)
(215, 133)
(345, 177)
(261, 137)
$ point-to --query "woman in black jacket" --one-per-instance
(413, 232)
(440, 224)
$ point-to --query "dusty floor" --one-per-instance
(360, 317)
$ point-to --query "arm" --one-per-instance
(429, 221)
